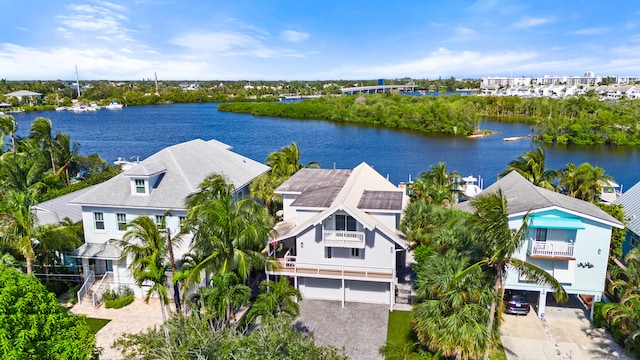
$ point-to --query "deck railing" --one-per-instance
(341, 238)
(551, 248)
(88, 282)
(101, 287)
(289, 266)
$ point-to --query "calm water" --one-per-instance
(142, 131)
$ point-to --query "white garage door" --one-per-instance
(326, 289)
(368, 291)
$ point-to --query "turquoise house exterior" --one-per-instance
(567, 237)
(630, 202)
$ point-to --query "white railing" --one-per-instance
(88, 282)
(340, 238)
(551, 248)
(102, 286)
(289, 266)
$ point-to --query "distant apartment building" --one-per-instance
(589, 78)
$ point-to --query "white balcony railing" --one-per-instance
(560, 249)
(289, 266)
(341, 238)
(88, 281)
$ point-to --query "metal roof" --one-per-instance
(381, 200)
(630, 201)
(97, 251)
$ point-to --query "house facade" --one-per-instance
(156, 187)
(630, 201)
(339, 238)
(567, 237)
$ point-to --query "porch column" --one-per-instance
(542, 302)
(392, 295)
(343, 290)
(295, 286)
(596, 298)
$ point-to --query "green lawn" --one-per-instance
(96, 324)
(399, 329)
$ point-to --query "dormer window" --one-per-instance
(140, 186)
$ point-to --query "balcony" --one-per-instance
(344, 239)
(290, 267)
(557, 250)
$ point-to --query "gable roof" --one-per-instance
(184, 166)
(630, 201)
(55, 210)
(23, 93)
(522, 197)
(363, 185)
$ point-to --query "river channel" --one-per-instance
(143, 130)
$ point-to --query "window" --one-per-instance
(160, 221)
(541, 234)
(635, 241)
(345, 222)
(122, 221)
(355, 252)
(140, 188)
(327, 253)
(98, 220)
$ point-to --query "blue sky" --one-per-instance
(315, 40)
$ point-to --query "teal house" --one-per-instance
(567, 237)
(630, 202)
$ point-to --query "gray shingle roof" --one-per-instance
(186, 165)
(55, 210)
(630, 201)
(97, 251)
(381, 200)
(317, 187)
(522, 196)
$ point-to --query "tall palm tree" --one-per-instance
(64, 153)
(223, 295)
(22, 170)
(584, 181)
(277, 299)
(8, 126)
(145, 244)
(229, 235)
(531, 165)
(286, 161)
(40, 131)
(499, 242)
(437, 185)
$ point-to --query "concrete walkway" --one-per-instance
(132, 319)
(360, 328)
(564, 333)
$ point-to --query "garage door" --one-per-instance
(368, 291)
(326, 289)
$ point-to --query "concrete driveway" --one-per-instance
(360, 328)
(564, 333)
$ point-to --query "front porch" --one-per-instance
(556, 250)
(287, 265)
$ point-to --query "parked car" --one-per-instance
(515, 302)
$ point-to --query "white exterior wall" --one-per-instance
(390, 220)
(304, 215)
(289, 212)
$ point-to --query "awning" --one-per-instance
(97, 251)
(554, 222)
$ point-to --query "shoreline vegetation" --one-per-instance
(573, 121)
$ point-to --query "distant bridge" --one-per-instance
(379, 89)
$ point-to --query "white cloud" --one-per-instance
(528, 22)
(293, 36)
(589, 31)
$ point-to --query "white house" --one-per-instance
(567, 237)
(156, 186)
(339, 238)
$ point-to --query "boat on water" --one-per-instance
(610, 192)
(61, 108)
(114, 105)
(470, 186)
(127, 164)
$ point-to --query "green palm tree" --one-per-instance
(499, 242)
(40, 131)
(8, 126)
(450, 316)
(437, 185)
(277, 299)
(221, 297)
(146, 246)
(228, 235)
(286, 161)
(22, 170)
(584, 181)
(531, 165)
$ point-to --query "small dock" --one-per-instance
(516, 138)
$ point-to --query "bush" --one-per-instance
(119, 302)
(599, 320)
(117, 298)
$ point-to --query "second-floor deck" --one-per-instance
(289, 266)
(558, 250)
(342, 238)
